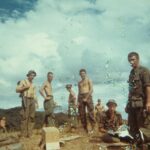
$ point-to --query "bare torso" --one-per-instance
(48, 89)
(84, 86)
(99, 108)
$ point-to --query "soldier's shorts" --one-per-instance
(27, 117)
(49, 112)
(49, 106)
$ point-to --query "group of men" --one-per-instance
(138, 101)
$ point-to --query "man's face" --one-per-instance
(83, 75)
(112, 107)
(50, 77)
(68, 89)
(31, 76)
(134, 61)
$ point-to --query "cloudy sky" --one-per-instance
(63, 36)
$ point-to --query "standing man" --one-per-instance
(47, 93)
(72, 106)
(27, 92)
(99, 108)
(85, 88)
(139, 94)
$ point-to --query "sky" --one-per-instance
(64, 36)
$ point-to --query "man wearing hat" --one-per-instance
(27, 91)
(111, 119)
(46, 92)
(98, 110)
(72, 114)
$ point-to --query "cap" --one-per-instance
(31, 72)
(69, 86)
(111, 101)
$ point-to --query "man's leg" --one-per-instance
(49, 115)
(139, 117)
(90, 108)
(83, 114)
(31, 117)
(24, 118)
(132, 122)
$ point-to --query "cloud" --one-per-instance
(63, 36)
(15, 9)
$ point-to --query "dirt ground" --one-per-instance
(85, 142)
(81, 143)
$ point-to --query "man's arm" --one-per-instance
(91, 89)
(22, 87)
(146, 82)
(148, 98)
(74, 97)
(42, 91)
(78, 99)
(35, 98)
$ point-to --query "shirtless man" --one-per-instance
(72, 114)
(85, 88)
(47, 93)
(99, 108)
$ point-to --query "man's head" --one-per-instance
(31, 74)
(99, 101)
(133, 59)
(68, 87)
(49, 76)
(111, 104)
(82, 73)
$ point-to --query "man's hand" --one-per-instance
(102, 130)
(84, 100)
(27, 86)
(148, 106)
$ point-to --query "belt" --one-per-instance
(29, 97)
(51, 96)
(83, 93)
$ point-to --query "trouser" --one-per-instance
(49, 119)
(72, 114)
(27, 117)
(98, 117)
(82, 110)
(135, 120)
